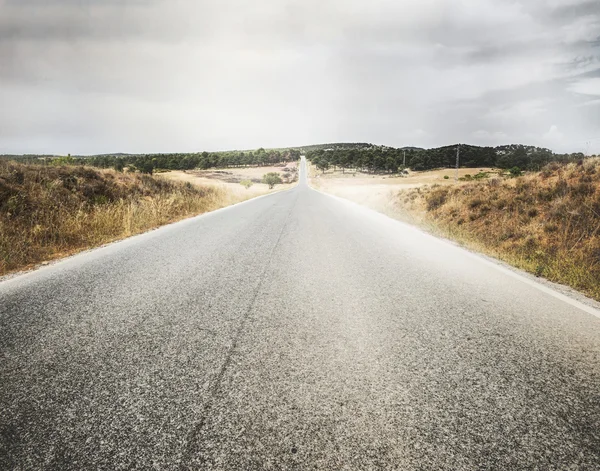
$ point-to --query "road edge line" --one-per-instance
(497, 264)
(52, 264)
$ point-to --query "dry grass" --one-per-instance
(547, 223)
(224, 182)
(49, 212)
(334, 178)
(377, 191)
(286, 171)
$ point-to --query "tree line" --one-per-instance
(346, 156)
(148, 163)
(383, 159)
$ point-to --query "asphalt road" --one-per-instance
(293, 331)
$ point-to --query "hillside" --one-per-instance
(546, 222)
(50, 211)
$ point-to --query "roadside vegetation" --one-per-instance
(545, 222)
(50, 211)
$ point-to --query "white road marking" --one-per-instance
(545, 289)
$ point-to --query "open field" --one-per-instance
(253, 173)
(229, 179)
(377, 191)
(428, 177)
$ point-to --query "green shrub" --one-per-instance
(515, 172)
(271, 179)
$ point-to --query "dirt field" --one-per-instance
(376, 191)
(256, 173)
(230, 179)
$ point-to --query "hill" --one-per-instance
(545, 222)
(50, 211)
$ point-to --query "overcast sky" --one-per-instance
(86, 77)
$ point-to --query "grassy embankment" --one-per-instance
(547, 223)
(50, 212)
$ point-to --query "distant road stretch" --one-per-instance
(293, 331)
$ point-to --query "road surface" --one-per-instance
(293, 331)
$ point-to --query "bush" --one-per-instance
(475, 202)
(515, 172)
(271, 179)
(246, 183)
(446, 177)
(481, 175)
(436, 198)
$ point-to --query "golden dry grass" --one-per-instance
(49, 212)
(233, 189)
(334, 178)
(252, 173)
(376, 190)
(547, 223)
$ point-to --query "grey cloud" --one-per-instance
(92, 76)
(571, 11)
(96, 20)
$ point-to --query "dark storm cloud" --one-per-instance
(87, 76)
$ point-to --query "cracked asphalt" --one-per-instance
(293, 331)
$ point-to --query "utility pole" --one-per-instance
(404, 159)
(457, 161)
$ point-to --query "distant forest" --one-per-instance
(356, 156)
(382, 159)
(148, 163)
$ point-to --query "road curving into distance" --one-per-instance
(293, 331)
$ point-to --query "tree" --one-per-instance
(146, 166)
(322, 164)
(344, 161)
(119, 165)
(68, 160)
(515, 172)
(271, 179)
